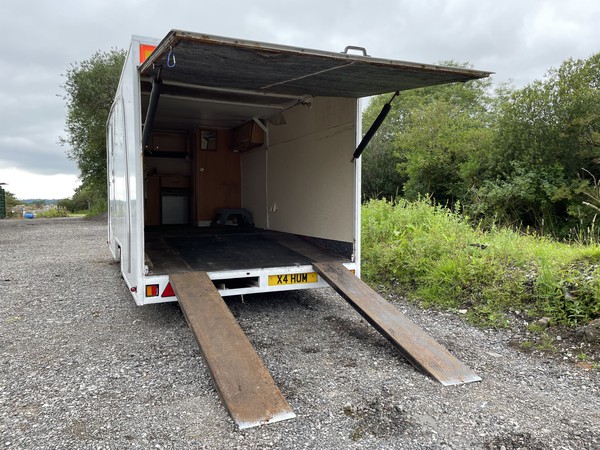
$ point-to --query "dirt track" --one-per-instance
(83, 367)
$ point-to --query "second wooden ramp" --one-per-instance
(419, 347)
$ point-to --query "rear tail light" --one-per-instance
(152, 290)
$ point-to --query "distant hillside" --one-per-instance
(38, 201)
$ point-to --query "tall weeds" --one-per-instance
(435, 256)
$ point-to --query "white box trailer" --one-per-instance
(238, 125)
(234, 160)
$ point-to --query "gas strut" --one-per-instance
(374, 127)
(152, 107)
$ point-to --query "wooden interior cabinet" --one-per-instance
(217, 178)
(175, 181)
(248, 136)
(168, 144)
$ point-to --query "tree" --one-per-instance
(10, 201)
(444, 151)
(527, 158)
(548, 140)
(435, 141)
(380, 176)
(89, 91)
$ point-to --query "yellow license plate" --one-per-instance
(293, 278)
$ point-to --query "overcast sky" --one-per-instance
(519, 40)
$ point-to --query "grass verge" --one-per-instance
(433, 255)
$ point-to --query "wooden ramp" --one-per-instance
(242, 380)
(412, 341)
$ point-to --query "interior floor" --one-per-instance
(178, 249)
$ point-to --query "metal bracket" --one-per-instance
(258, 122)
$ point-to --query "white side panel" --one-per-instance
(126, 174)
(254, 185)
(111, 181)
(117, 188)
(311, 180)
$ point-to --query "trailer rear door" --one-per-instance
(258, 73)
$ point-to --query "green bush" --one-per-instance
(51, 213)
(431, 254)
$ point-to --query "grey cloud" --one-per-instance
(519, 40)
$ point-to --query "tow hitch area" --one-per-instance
(415, 344)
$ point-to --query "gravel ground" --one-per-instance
(82, 367)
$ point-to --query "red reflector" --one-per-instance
(168, 292)
(151, 290)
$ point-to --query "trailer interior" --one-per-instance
(225, 187)
(236, 178)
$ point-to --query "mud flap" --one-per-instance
(243, 382)
(415, 344)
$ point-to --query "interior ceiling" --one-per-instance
(222, 81)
